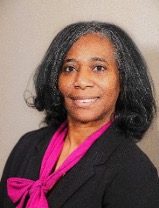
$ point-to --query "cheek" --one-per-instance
(63, 85)
(111, 89)
(110, 84)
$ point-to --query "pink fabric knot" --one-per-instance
(37, 186)
(20, 188)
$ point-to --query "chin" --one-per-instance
(85, 118)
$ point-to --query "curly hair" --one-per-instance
(135, 107)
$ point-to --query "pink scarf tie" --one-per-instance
(20, 188)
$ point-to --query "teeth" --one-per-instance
(87, 100)
(83, 103)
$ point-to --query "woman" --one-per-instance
(94, 89)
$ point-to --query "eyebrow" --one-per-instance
(98, 59)
(92, 59)
(69, 60)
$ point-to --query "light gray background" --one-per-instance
(26, 30)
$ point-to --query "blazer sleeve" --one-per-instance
(12, 165)
(20, 153)
(19, 156)
(135, 186)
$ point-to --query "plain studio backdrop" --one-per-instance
(26, 30)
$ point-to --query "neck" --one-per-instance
(79, 131)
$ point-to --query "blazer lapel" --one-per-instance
(32, 169)
(98, 154)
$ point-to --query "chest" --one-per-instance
(64, 154)
(83, 189)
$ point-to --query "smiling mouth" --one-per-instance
(84, 102)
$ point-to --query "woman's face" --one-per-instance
(89, 79)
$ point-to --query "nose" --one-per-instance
(83, 79)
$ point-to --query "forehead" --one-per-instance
(91, 45)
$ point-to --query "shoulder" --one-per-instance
(136, 182)
(32, 138)
(131, 155)
(127, 153)
(123, 151)
(133, 163)
(137, 168)
(35, 137)
(24, 148)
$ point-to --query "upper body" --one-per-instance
(91, 75)
(114, 173)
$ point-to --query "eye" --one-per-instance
(99, 68)
(68, 69)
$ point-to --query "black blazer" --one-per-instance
(114, 173)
